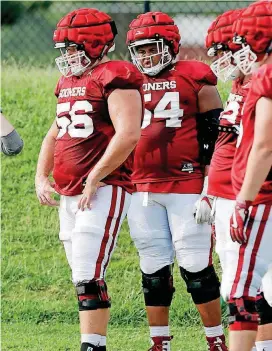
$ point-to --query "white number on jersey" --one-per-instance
(80, 125)
(171, 115)
(231, 111)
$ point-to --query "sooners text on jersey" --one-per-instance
(225, 147)
(168, 149)
(85, 127)
(261, 87)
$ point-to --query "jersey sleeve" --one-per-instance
(262, 82)
(58, 86)
(120, 75)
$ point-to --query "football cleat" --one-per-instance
(161, 343)
(90, 347)
(217, 343)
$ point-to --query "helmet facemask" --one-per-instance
(223, 66)
(72, 64)
(162, 49)
(245, 58)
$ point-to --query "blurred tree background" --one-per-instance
(28, 26)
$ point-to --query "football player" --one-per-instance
(220, 45)
(251, 221)
(11, 142)
(219, 42)
(88, 149)
(179, 130)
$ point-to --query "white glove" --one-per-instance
(203, 206)
(202, 209)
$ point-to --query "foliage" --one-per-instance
(11, 11)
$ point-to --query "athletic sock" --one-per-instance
(212, 332)
(94, 339)
(159, 331)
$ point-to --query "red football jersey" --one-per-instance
(261, 87)
(168, 150)
(85, 127)
(225, 147)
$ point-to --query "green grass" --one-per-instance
(39, 307)
(64, 337)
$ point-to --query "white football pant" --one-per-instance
(162, 227)
(89, 237)
(244, 266)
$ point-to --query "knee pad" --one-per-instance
(158, 287)
(264, 310)
(92, 295)
(242, 314)
(204, 286)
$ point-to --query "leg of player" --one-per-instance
(150, 232)
(93, 240)
(224, 244)
(193, 246)
(223, 211)
(242, 279)
(264, 308)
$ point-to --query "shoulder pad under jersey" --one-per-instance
(120, 75)
(197, 70)
(262, 81)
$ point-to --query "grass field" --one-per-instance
(39, 307)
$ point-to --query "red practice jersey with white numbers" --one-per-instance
(85, 127)
(167, 154)
(261, 86)
(225, 147)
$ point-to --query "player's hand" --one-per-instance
(88, 193)
(44, 190)
(238, 220)
(202, 209)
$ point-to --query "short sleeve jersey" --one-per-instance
(85, 127)
(261, 86)
(221, 163)
(168, 150)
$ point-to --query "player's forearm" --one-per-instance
(46, 158)
(118, 150)
(258, 167)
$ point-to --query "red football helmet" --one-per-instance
(219, 42)
(253, 31)
(153, 28)
(91, 32)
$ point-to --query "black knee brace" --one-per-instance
(264, 310)
(203, 286)
(158, 287)
(242, 310)
(92, 295)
